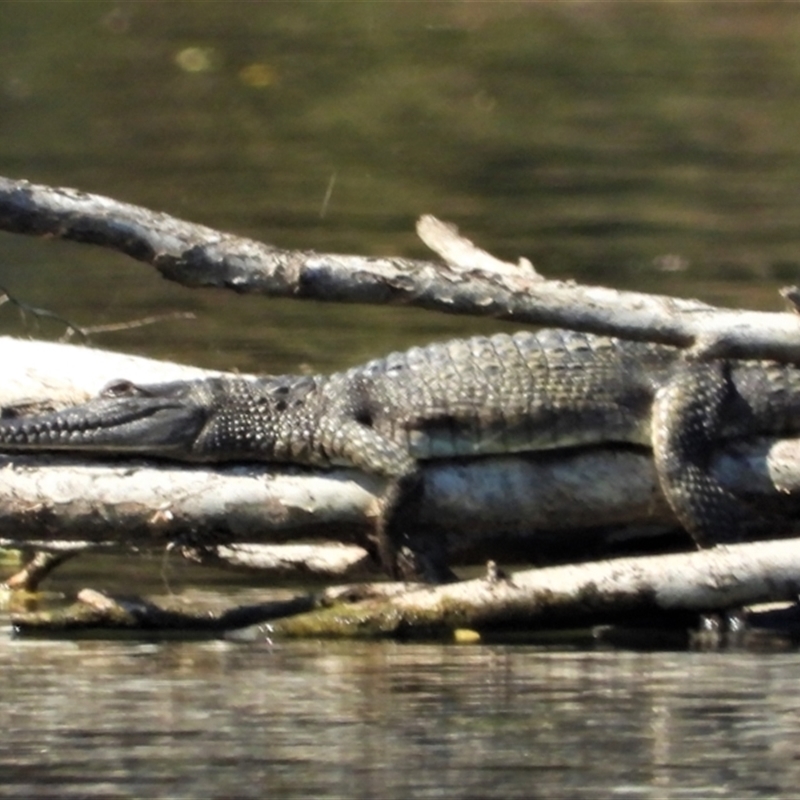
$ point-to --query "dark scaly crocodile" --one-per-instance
(459, 399)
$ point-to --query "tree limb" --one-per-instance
(195, 255)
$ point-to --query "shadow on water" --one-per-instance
(643, 145)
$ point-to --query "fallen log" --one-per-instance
(574, 497)
(666, 589)
(708, 580)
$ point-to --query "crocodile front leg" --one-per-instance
(405, 553)
(688, 415)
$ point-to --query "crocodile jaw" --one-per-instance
(147, 425)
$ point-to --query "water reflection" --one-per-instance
(361, 720)
(606, 142)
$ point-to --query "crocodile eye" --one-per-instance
(120, 388)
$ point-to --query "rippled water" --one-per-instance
(224, 720)
(645, 145)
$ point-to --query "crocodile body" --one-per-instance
(459, 399)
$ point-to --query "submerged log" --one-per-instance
(665, 589)
(585, 594)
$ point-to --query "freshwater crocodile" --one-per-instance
(459, 399)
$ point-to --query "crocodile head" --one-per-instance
(157, 420)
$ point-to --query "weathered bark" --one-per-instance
(569, 497)
(585, 594)
(39, 567)
(468, 283)
(663, 588)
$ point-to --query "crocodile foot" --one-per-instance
(405, 553)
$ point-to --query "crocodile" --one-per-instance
(466, 398)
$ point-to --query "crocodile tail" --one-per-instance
(689, 414)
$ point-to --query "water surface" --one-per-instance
(223, 720)
(651, 146)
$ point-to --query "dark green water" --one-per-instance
(645, 145)
(612, 142)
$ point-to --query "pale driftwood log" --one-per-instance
(55, 374)
(151, 504)
(562, 503)
(319, 561)
(585, 594)
(468, 282)
(519, 503)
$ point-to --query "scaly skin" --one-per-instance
(464, 398)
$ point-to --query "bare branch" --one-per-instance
(462, 255)
(134, 614)
(40, 313)
(195, 255)
(141, 322)
(39, 567)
